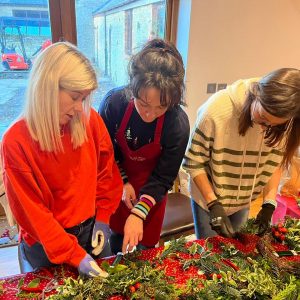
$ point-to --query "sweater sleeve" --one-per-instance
(28, 207)
(109, 181)
(198, 153)
(174, 141)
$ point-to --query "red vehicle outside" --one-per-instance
(14, 61)
(11, 60)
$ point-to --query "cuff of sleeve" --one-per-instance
(211, 204)
(270, 201)
(103, 215)
(77, 256)
(142, 208)
(122, 172)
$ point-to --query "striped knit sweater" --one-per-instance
(238, 167)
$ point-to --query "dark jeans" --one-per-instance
(116, 242)
(31, 258)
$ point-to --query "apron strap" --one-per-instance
(158, 129)
(128, 112)
(126, 117)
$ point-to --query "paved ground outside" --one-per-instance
(12, 95)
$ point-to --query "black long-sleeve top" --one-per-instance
(174, 139)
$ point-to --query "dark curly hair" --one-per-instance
(158, 65)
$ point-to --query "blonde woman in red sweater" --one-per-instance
(61, 180)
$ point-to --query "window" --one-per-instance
(19, 13)
(23, 34)
(107, 45)
(109, 32)
(38, 14)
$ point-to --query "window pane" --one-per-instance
(33, 14)
(19, 13)
(23, 34)
(109, 32)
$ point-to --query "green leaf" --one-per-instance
(105, 265)
(21, 282)
(193, 249)
(200, 249)
(34, 283)
(117, 268)
(26, 295)
(232, 282)
(209, 246)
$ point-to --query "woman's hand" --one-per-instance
(129, 196)
(89, 267)
(133, 233)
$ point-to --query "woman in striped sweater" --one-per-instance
(242, 137)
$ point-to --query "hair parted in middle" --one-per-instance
(158, 65)
(279, 94)
(60, 66)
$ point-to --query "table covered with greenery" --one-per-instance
(246, 267)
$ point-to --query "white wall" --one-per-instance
(232, 39)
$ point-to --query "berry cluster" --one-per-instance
(279, 232)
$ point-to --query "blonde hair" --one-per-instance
(60, 66)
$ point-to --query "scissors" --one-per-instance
(117, 259)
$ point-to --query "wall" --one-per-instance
(232, 39)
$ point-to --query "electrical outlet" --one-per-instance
(211, 88)
(221, 86)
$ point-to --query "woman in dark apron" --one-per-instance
(150, 132)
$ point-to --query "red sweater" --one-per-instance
(48, 192)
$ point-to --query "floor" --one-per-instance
(9, 255)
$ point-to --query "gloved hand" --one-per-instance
(219, 221)
(264, 217)
(101, 234)
(88, 267)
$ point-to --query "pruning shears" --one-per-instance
(117, 259)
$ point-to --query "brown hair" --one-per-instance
(158, 65)
(279, 94)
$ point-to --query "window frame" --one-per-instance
(63, 20)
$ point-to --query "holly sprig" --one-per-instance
(252, 278)
(139, 278)
(292, 237)
(173, 248)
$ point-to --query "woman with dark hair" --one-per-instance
(150, 132)
(243, 137)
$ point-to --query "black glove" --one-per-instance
(219, 221)
(263, 219)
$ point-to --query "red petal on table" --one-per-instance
(5, 233)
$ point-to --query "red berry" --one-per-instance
(283, 230)
(279, 225)
(137, 285)
(132, 289)
(277, 233)
(282, 237)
